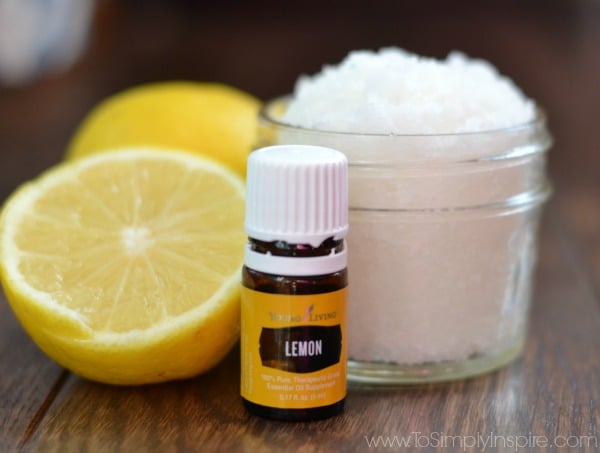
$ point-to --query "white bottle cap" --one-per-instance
(297, 194)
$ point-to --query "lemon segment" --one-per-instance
(124, 267)
(211, 119)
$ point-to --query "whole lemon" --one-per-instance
(211, 119)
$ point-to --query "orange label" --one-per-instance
(293, 349)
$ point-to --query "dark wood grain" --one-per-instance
(28, 382)
(550, 48)
(552, 391)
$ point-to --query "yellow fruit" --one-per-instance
(124, 267)
(214, 120)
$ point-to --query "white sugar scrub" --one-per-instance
(447, 179)
(396, 92)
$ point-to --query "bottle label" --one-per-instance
(293, 349)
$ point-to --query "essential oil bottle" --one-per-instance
(294, 283)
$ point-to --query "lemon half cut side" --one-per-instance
(124, 266)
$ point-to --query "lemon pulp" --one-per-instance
(124, 267)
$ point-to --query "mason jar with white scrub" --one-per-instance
(442, 245)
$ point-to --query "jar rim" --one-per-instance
(526, 139)
(265, 114)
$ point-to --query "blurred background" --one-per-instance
(59, 58)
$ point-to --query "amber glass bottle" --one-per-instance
(293, 340)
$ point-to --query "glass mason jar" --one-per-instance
(442, 245)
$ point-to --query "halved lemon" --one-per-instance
(124, 267)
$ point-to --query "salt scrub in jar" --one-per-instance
(447, 179)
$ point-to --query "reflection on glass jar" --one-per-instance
(442, 245)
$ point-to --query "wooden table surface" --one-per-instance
(551, 49)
